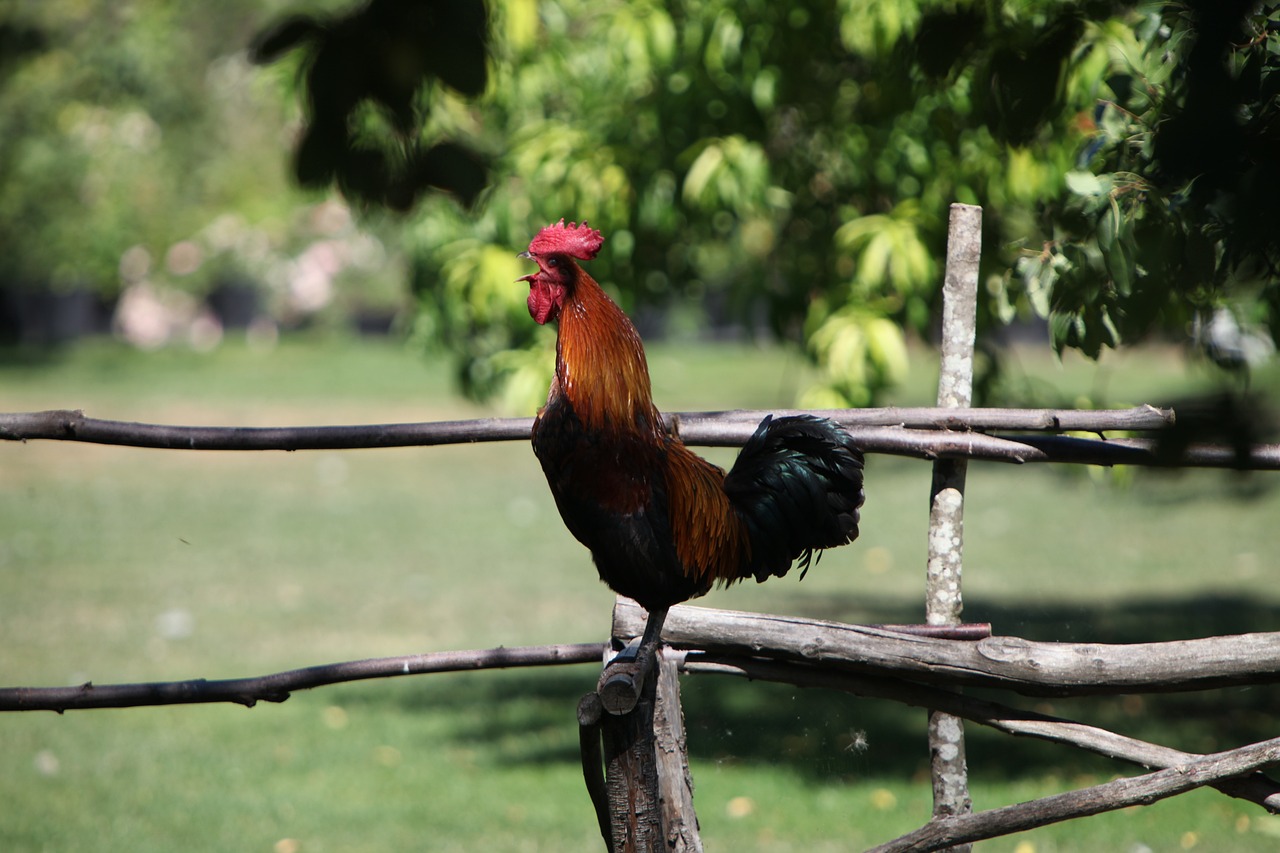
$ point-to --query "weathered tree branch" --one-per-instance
(1109, 796)
(920, 433)
(1011, 663)
(1031, 668)
(70, 425)
(648, 792)
(695, 427)
(278, 686)
(1256, 788)
(1139, 451)
(700, 427)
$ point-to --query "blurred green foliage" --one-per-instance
(1168, 220)
(789, 168)
(129, 123)
(141, 150)
(780, 169)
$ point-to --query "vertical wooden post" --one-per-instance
(944, 601)
(645, 802)
(675, 782)
(631, 777)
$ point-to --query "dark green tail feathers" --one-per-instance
(797, 484)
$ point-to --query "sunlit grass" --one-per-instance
(121, 564)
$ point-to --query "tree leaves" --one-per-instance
(729, 174)
(858, 350)
(1165, 221)
(890, 256)
(787, 164)
(386, 54)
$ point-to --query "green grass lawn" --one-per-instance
(122, 564)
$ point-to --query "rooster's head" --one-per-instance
(553, 250)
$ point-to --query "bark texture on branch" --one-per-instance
(1109, 796)
(648, 787)
(1256, 787)
(1012, 663)
(919, 433)
(944, 600)
(675, 781)
(1031, 668)
(278, 686)
(695, 427)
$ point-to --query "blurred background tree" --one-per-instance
(143, 179)
(758, 169)
(785, 170)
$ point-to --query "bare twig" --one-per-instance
(1109, 796)
(1139, 451)
(278, 686)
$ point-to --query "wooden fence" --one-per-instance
(635, 763)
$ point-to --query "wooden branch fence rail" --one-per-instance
(635, 765)
(922, 433)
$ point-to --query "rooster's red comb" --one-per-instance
(576, 241)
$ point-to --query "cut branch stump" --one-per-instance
(644, 804)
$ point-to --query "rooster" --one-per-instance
(662, 524)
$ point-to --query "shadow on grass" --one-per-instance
(822, 735)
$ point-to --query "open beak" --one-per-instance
(525, 256)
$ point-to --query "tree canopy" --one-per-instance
(790, 166)
(783, 168)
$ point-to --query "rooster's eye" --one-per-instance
(553, 262)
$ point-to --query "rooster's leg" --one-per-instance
(623, 679)
(650, 639)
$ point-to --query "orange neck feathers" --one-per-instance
(600, 363)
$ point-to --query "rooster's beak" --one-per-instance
(525, 256)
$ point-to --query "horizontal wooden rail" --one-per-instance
(946, 832)
(882, 677)
(1257, 788)
(278, 686)
(918, 432)
(1023, 666)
